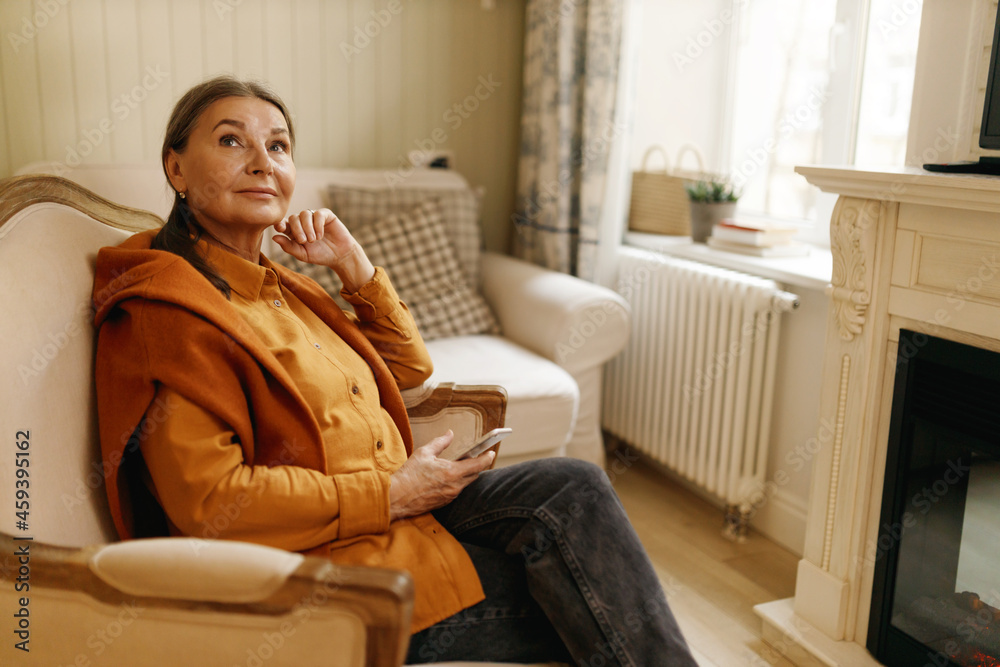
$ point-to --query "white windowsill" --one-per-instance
(812, 271)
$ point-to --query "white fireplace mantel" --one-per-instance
(911, 249)
(911, 185)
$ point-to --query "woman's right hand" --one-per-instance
(426, 482)
(319, 237)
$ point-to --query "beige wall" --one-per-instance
(100, 76)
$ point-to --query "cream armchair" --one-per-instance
(70, 592)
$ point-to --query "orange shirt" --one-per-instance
(199, 473)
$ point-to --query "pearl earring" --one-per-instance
(182, 195)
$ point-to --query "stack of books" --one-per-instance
(760, 239)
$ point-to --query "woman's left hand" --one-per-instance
(426, 482)
(319, 237)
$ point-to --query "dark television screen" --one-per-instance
(989, 134)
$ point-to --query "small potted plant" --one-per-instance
(711, 201)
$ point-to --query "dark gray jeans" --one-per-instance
(565, 576)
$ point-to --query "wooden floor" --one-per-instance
(712, 584)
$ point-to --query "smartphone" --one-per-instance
(466, 451)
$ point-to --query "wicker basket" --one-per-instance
(659, 201)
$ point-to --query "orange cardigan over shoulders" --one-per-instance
(165, 331)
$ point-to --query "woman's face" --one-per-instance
(237, 168)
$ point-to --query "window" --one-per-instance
(887, 83)
(761, 86)
(817, 83)
(778, 103)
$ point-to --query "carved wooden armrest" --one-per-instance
(468, 410)
(192, 582)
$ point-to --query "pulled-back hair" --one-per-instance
(181, 232)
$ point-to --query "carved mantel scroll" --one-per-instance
(852, 231)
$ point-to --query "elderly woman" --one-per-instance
(242, 403)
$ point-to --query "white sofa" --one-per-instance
(557, 330)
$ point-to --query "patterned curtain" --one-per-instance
(568, 123)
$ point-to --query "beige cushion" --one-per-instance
(194, 569)
(542, 398)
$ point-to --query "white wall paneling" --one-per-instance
(56, 85)
(305, 44)
(4, 147)
(22, 98)
(86, 37)
(367, 80)
(122, 56)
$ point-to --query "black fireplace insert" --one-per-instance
(936, 593)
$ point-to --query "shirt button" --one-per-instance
(277, 302)
(378, 445)
(355, 389)
(317, 345)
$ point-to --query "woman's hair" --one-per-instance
(181, 232)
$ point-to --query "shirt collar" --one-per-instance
(244, 277)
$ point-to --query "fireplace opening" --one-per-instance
(936, 592)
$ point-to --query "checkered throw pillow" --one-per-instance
(358, 207)
(414, 249)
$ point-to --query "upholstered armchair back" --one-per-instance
(47, 399)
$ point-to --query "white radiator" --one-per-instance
(693, 387)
